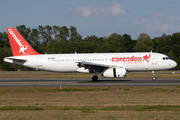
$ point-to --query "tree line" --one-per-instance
(56, 39)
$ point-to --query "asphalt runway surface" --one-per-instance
(86, 82)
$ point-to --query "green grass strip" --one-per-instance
(92, 108)
(21, 108)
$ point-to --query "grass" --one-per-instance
(126, 89)
(96, 109)
(65, 89)
(87, 103)
(106, 89)
(20, 108)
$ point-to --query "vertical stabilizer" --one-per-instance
(19, 45)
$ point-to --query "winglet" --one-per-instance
(19, 45)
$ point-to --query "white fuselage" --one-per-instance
(145, 61)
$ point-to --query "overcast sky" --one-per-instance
(95, 17)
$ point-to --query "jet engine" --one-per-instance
(83, 70)
(114, 72)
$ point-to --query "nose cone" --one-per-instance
(173, 64)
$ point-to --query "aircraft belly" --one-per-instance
(138, 67)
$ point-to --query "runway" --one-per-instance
(86, 82)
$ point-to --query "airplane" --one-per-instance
(110, 65)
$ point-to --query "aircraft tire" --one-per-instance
(95, 78)
(154, 78)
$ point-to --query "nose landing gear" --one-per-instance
(153, 76)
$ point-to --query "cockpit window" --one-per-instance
(166, 58)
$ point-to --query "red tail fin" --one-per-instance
(19, 45)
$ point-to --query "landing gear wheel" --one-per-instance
(154, 78)
(95, 78)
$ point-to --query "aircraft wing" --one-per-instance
(94, 67)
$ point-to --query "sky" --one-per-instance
(95, 17)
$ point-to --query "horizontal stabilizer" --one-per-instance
(14, 60)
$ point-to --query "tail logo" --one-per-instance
(22, 49)
(18, 41)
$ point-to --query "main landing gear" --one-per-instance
(95, 78)
(153, 76)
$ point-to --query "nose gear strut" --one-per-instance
(153, 76)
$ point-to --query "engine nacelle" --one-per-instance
(115, 72)
(83, 70)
